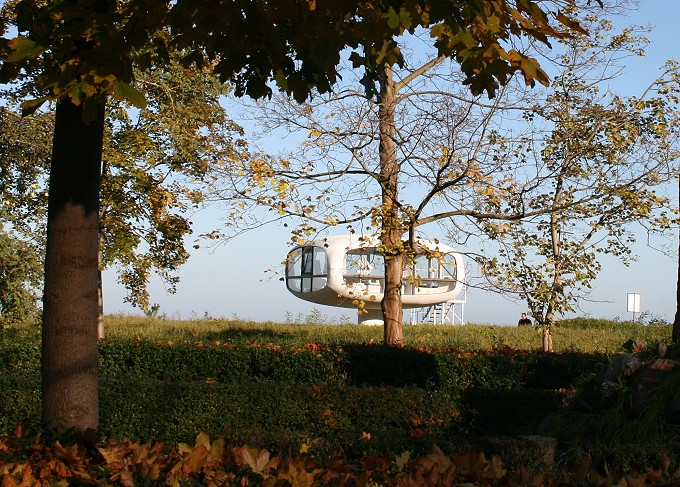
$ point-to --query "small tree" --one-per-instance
(379, 164)
(606, 159)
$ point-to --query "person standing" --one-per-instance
(524, 321)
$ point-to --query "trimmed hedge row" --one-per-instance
(276, 416)
(265, 414)
(19, 354)
(271, 397)
(355, 365)
(215, 362)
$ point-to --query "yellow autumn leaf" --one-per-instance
(216, 450)
(258, 460)
(402, 460)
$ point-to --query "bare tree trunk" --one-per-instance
(393, 314)
(391, 231)
(556, 288)
(675, 338)
(100, 293)
(69, 333)
(100, 309)
(547, 338)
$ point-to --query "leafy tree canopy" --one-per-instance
(296, 44)
(20, 276)
(159, 164)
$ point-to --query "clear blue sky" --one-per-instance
(230, 281)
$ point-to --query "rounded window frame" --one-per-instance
(309, 269)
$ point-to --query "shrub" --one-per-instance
(21, 275)
(20, 401)
(19, 354)
(458, 370)
(511, 412)
(563, 370)
(171, 412)
(215, 361)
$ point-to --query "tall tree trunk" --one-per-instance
(100, 308)
(676, 322)
(556, 287)
(69, 333)
(391, 231)
(100, 292)
(549, 318)
(391, 305)
(547, 338)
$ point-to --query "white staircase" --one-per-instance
(448, 313)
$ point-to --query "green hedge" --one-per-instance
(186, 362)
(19, 353)
(358, 365)
(354, 364)
(273, 396)
(20, 400)
(265, 411)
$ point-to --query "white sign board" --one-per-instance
(633, 303)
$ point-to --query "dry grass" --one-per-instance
(604, 336)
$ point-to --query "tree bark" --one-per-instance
(100, 308)
(393, 313)
(556, 287)
(547, 338)
(70, 309)
(391, 231)
(675, 338)
(100, 292)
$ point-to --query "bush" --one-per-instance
(491, 369)
(20, 401)
(224, 363)
(270, 388)
(19, 353)
(511, 412)
(268, 415)
(167, 390)
(21, 274)
(563, 370)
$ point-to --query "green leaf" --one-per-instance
(23, 48)
(281, 81)
(30, 106)
(126, 92)
(401, 19)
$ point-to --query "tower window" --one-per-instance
(306, 269)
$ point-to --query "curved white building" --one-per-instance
(338, 270)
